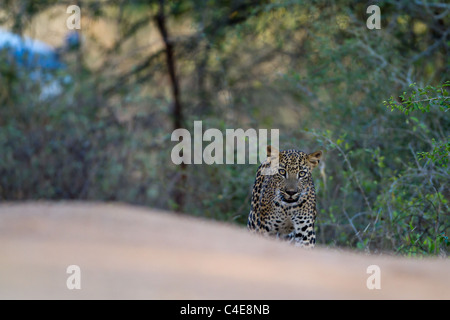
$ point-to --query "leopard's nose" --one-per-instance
(291, 192)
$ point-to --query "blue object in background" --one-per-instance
(37, 60)
(30, 53)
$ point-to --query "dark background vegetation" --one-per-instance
(375, 101)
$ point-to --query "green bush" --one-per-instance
(401, 194)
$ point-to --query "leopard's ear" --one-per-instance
(273, 161)
(272, 152)
(314, 158)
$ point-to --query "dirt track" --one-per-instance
(126, 252)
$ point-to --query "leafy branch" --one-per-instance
(421, 99)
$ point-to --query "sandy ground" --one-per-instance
(126, 252)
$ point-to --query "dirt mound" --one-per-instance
(126, 252)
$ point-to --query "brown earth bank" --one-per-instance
(127, 252)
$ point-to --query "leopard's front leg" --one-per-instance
(304, 235)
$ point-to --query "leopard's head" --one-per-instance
(292, 176)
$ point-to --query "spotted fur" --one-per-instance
(283, 203)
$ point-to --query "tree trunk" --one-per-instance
(177, 115)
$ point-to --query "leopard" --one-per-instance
(283, 201)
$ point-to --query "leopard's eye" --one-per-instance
(282, 172)
(301, 174)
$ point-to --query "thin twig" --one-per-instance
(352, 171)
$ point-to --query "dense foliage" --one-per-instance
(376, 101)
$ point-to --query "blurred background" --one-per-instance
(88, 113)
